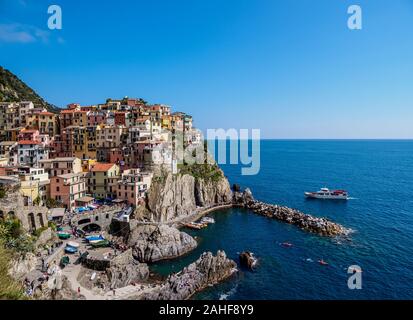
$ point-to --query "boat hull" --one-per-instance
(327, 197)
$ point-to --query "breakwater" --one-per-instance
(320, 226)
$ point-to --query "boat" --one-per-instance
(325, 193)
(287, 244)
(70, 249)
(73, 244)
(195, 225)
(63, 235)
(94, 238)
(101, 243)
(207, 220)
(322, 262)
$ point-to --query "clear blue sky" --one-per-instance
(290, 68)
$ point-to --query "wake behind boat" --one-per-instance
(325, 193)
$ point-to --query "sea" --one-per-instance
(378, 174)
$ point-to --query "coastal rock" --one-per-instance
(124, 270)
(170, 197)
(247, 260)
(176, 196)
(209, 193)
(206, 271)
(152, 243)
(321, 226)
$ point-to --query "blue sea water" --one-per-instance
(379, 177)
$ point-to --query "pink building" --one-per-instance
(133, 186)
(28, 135)
(68, 188)
(95, 117)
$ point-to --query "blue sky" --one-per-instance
(290, 68)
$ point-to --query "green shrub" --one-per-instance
(9, 288)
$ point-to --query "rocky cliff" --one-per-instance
(206, 271)
(124, 270)
(175, 196)
(153, 243)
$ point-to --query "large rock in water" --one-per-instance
(176, 196)
(206, 271)
(124, 270)
(153, 243)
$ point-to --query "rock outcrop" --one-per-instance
(124, 270)
(209, 193)
(23, 266)
(206, 271)
(248, 260)
(153, 243)
(321, 226)
(171, 197)
(176, 196)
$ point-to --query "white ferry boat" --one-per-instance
(325, 193)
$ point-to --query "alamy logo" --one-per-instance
(355, 22)
(55, 20)
(355, 280)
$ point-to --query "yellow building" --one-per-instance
(45, 122)
(83, 142)
(103, 179)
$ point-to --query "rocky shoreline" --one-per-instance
(206, 271)
(320, 226)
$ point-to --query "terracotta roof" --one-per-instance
(67, 111)
(26, 142)
(28, 130)
(101, 167)
(46, 113)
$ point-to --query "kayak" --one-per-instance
(287, 244)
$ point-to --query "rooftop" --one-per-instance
(101, 167)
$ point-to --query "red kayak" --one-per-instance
(322, 262)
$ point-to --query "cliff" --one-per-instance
(175, 196)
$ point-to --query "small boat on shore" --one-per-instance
(71, 247)
(207, 220)
(62, 235)
(325, 193)
(100, 244)
(92, 238)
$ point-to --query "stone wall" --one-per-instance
(14, 204)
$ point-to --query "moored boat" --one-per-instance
(207, 220)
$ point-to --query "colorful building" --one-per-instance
(68, 188)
